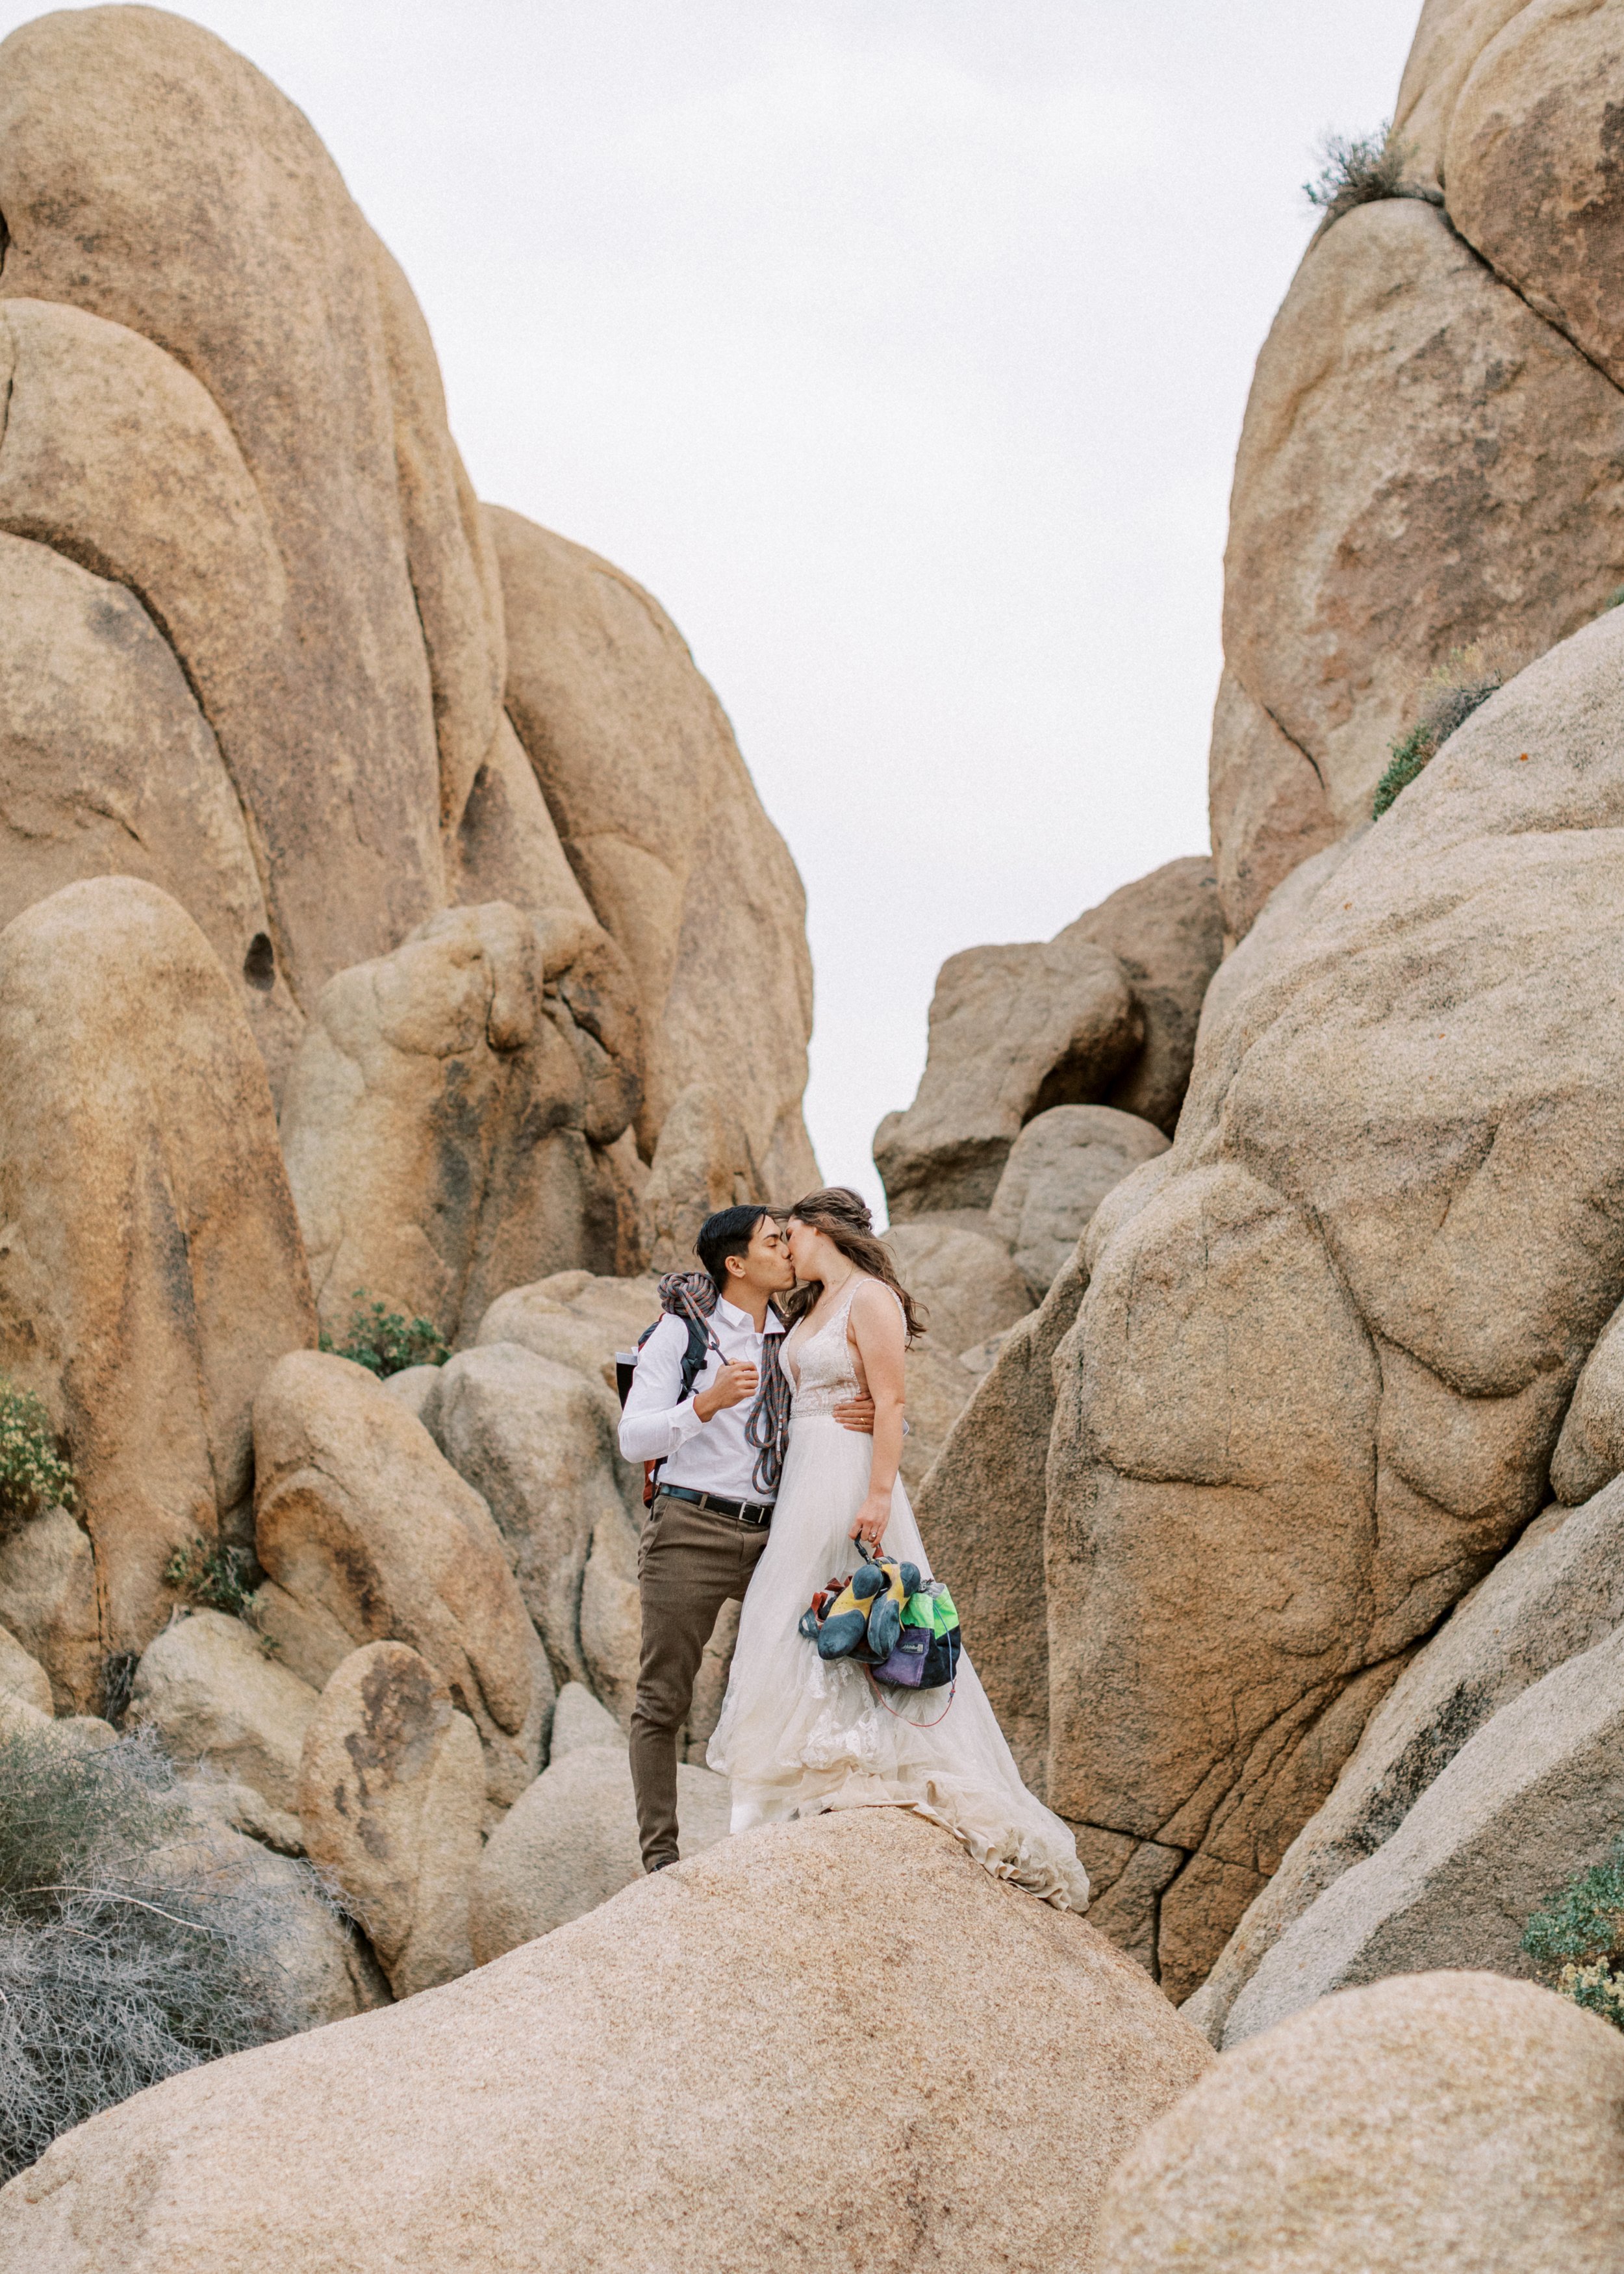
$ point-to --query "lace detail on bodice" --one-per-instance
(822, 1367)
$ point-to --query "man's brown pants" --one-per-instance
(690, 1562)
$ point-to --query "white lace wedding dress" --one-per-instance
(799, 1734)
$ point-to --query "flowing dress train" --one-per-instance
(800, 1734)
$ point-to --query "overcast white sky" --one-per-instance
(900, 347)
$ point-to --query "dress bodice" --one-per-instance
(824, 1370)
(823, 1367)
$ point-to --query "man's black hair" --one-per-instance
(728, 1232)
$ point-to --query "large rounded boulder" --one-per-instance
(838, 2043)
(1434, 2120)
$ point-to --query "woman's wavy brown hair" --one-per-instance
(842, 1216)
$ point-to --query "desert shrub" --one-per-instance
(118, 1683)
(1462, 682)
(1357, 169)
(385, 1343)
(33, 1474)
(133, 1944)
(217, 1578)
(1578, 1943)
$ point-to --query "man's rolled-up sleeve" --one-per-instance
(658, 1417)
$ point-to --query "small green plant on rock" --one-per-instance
(1359, 170)
(35, 1475)
(1459, 686)
(132, 1945)
(217, 1578)
(385, 1343)
(1578, 1943)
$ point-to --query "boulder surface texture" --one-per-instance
(670, 2080)
(1103, 1013)
(1535, 1798)
(391, 1800)
(265, 650)
(150, 1265)
(1315, 1386)
(1060, 1168)
(222, 344)
(660, 822)
(532, 1438)
(1013, 1030)
(569, 1841)
(1438, 2121)
(1558, 1594)
(1431, 456)
(962, 1279)
(213, 1695)
(447, 1120)
(367, 1534)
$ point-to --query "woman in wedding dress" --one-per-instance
(798, 1733)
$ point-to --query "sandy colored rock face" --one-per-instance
(391, 1801)
(703, 1161)
(212, 1693)
(109, 768)
(259, 655)
(1531, 168)
(1425, 464)
(1013, 1030)
(153, 179)
(1589, 1452)
(1559, 1593)
(25, 1685)
(536, 1444)
(937, 1391)
(48, 1600)
(964, 1280)
(367, 1533)
(150, 1269)
(1267, 804)
(981, 1513)
(579, 1721)
(455, 584)
(612, 1621)
(1060, 1168)
(522, 2149)
(1449, 38)
(1533, 1799)
(1166, 930)
(571, 1842)
(443, 1117)
(661, 825)
(1445, 2118)
(578, 1318)
(1317, 1381)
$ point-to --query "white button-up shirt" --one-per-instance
(659, 1424)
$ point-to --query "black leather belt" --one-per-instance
(748, 1511)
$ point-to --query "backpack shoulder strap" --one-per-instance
(694, 1356)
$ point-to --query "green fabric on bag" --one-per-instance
(946, 1618)
(921, 1611)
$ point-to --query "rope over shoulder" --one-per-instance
(694, 1295)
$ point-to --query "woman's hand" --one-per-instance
(869, 1523)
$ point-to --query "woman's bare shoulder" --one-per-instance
(875, 1304)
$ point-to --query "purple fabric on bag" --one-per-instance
(904, 1668)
